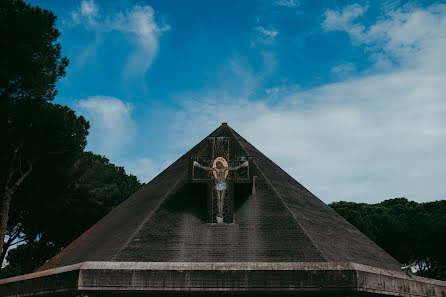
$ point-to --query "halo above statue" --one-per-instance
(225, 164)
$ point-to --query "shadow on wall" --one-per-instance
(190, 198)
(242, 193)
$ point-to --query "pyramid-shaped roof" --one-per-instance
(277, 238)
(281, 222)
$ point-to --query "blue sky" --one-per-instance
(348, 97)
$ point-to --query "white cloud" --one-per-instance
(267, 33)
(272, 90)
(237, 77)
(344, 70)
(365, 139)
(411, 36)
(144, 168)
(112, 126)
(137, 24)
(89, 9)
(288, 3)
(263, 36)
(343, 20)
(140, 23)
(87, 14)
(147, 168)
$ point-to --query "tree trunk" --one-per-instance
(3, 254)
(6, 203)
(4, 214)
(7, 244)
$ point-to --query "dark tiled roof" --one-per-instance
(164, 222)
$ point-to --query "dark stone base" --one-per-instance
(218, 279)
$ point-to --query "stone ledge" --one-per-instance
(150, 277)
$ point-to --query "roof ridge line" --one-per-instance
(179, 158)
(281, 199)
(143, 222)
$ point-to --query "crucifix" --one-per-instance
(220, 170)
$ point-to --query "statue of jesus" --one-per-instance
(220, 171)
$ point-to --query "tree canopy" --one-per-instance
(30, 127)
(58, 203)
(30, 57)
(409, 231)
(50, 189)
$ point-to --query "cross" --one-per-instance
(223, 167)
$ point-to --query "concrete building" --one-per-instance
(258, 231)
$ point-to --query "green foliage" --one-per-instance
(88, 190)
(40, 130)
(27, 257)
(30, 64)
(50, 189)
(30, 127)
(44, 139)
(60, 201)
(30, 58)
(409, 231)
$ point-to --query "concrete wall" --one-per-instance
(123, 278)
